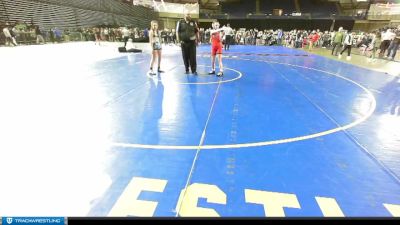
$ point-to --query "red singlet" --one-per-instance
(216, 44)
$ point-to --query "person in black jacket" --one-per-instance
(187, 33)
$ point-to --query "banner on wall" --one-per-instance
(166, 7)
(384, 9)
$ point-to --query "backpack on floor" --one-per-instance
(134, 50)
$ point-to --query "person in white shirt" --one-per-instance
(228, 36)
(394, 44)
(106, 34)
(347, 43)
(125, 35)
(387, 37)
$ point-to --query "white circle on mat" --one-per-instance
(271, 142)
(204, 83)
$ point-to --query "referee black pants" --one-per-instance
(189, 55)
(228, 39)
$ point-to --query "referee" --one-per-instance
(228, 36)
(187, 33)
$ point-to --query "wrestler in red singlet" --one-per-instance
(216, 48)
(216, 44)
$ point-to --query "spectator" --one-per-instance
(10, 38)
(394, 45)
(39, 36)
(348, 41)
(387, 37)
(125, 35)
(337, 41)
(375, 44)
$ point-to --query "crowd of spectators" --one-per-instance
(382, 43)
(25, 33)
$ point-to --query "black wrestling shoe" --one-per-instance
(160, 71)
(211, 72)
(194, 73)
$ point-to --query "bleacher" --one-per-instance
(239, 9)
(77, 13)
(86, 4)
(312, 8)
(89, 18)
(45, 14)
(3, 16)
(106, 6)
(318, 8)
(267, 6)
